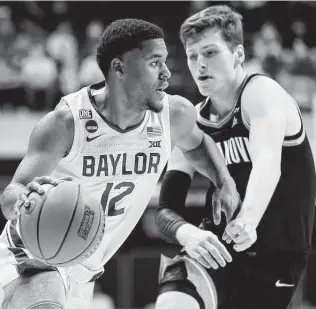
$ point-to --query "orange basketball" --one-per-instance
(62, 227)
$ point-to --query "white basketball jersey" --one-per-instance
(121, 168)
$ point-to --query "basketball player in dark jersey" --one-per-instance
(258, 128)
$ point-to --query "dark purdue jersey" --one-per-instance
(288, 221)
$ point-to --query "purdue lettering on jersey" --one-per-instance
(105, 165)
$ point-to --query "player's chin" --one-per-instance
(204, 91)
(155, 105)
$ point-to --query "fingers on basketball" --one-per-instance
(64, 226)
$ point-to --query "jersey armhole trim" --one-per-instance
(75, 147)
(286, 143)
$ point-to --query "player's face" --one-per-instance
(211, 62)
(146, 75)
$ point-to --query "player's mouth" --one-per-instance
(162, 88)
(203, 78)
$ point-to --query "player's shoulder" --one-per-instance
(65, 117)
(55, 129)
(182, 116)
(264, 91)
(60, 120)
(180, 106)
(62, 114)
(262, 86)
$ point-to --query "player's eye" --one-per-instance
(192, 57)
(210, 53)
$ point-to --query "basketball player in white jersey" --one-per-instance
(113, 138)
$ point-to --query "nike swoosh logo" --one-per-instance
(89, 139)
(279, 284)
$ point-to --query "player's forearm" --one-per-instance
(9, 198)
(262, 183)
(174, 189)
(208, 161)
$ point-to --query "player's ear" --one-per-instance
(117, 67)
(239, 55)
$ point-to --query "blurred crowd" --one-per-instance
(39, 66)
(47, 49)
(293, 67)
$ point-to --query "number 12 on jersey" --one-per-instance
(128, 186)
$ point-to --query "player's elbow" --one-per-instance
(9, 198)
(7, 207)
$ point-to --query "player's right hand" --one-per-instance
(36, 185)
(225, 199)
(206, 248)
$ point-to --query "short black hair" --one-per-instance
(121, 36)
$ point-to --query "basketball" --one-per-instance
(63, 226)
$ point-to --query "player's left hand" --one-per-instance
(225, 199)
(242, 232)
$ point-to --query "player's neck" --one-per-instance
(224, 100)
(117, 110)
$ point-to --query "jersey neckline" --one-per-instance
(220, 124)
(99, 86)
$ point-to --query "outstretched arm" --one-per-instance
(201, 245)
(266, 116)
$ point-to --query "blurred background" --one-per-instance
(47, 50)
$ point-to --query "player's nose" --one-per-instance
(201, 64)
(165, 74)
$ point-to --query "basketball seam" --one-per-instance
(46, 302)
(37, 225)
(69, 225)
(94, 243)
